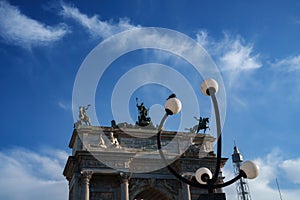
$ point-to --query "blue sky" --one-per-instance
(254, 44)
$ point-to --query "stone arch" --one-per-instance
(151, 193)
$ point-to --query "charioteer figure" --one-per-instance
(143, 119)
(203, 124)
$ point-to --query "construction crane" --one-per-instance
(242, 187)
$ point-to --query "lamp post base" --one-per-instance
(212, 196)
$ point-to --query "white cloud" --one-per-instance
(291, 169)
(202, 38)
(31, 175)
(264, 186)
(94, 25)
(18, 29)
(236, 60)
(290, 64)
(38, 175)
(232, 53)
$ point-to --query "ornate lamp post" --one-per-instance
(205, 179)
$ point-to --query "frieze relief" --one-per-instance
(92, 164)
(103, 184)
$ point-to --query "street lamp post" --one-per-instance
(205, 179)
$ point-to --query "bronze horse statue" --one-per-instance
(202, 125)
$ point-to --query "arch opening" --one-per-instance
(151, 194)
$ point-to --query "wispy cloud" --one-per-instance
(285, 78)
(232, 52)
(236, 59)
(19, 29)
(64, 106)
(33, 175)
(289, 64)
(94, 25)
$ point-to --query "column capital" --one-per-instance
(86, 174)
(125, 177)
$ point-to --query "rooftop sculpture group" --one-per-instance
(143, 119)
(84, 119)
(111, 141)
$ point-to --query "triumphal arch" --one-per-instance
(122, 163)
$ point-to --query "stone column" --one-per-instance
(186, 192)
(76, 193)
(86, 175)
(124, 186)
(186, 189)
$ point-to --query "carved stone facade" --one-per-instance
(105, 172)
